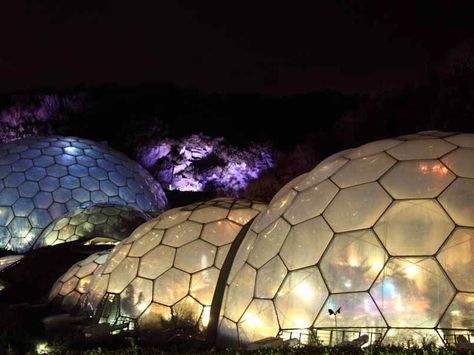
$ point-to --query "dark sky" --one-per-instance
(228, 46)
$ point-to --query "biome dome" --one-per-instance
(164, 275)
(383, 231)
(70, 290)
(42, 178)
(102, 220)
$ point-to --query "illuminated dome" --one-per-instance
(42, 178)
(70, 289)
(110, 221)
(164, 275)
(384, 231)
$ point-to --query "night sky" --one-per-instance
(221, 46)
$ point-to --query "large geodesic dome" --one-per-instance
(164, 275)
(384, 232)
(102, 220)
(70, 290)
(42, 178)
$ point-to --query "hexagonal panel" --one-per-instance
(268, 243)
(363, 170)
(182, 233)
(311, 202)
(412, 292)
(187, 312)
(427, 178)
(463, 140)
(460, 162)
(123, 274)
(156, 318)
(300, 298)
(170, 287)
(220, 232)
(136, 297)
(195, 256)
(203, 284)
(357, 207)
(240, 293)
(278, 205)
(353, 261)
(242, 215)
(414, 227)
(143, 245)
(156, 262)
(258, 322)
(306, 243)
(171, 218)
(421, 149)
(270, 278)
(458, 200)
(210, 214)
(357, 310)
(457, 258)
(459, 313)
(321, 172)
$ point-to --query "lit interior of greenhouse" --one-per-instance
(375, 241)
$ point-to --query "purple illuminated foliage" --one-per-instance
(200, 163)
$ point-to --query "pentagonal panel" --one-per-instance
(269, 278)
(357, 207)
(195, 256)
(421, 149)
(427, 178)
(258, 322)
(123, 274)
(459, 313)
(412, 292)
(363, 170)
(460, 162)
(268, 243)
(240, 293)
(311, 202)
(210, 214)
(203, 284)
(300, 298)
(372, 148)
(353, 261)
(220, 232)
(136, 297)
(156, 262)
(170, 287)
(357, 310)
(414, 227)
(457, 258)
(306, 243)
(458, 200)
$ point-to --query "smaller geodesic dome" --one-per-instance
(70, 290)
(102, 220)
(42, 178)
(164, 275)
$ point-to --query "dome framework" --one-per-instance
(384, 232)
(42, 178)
